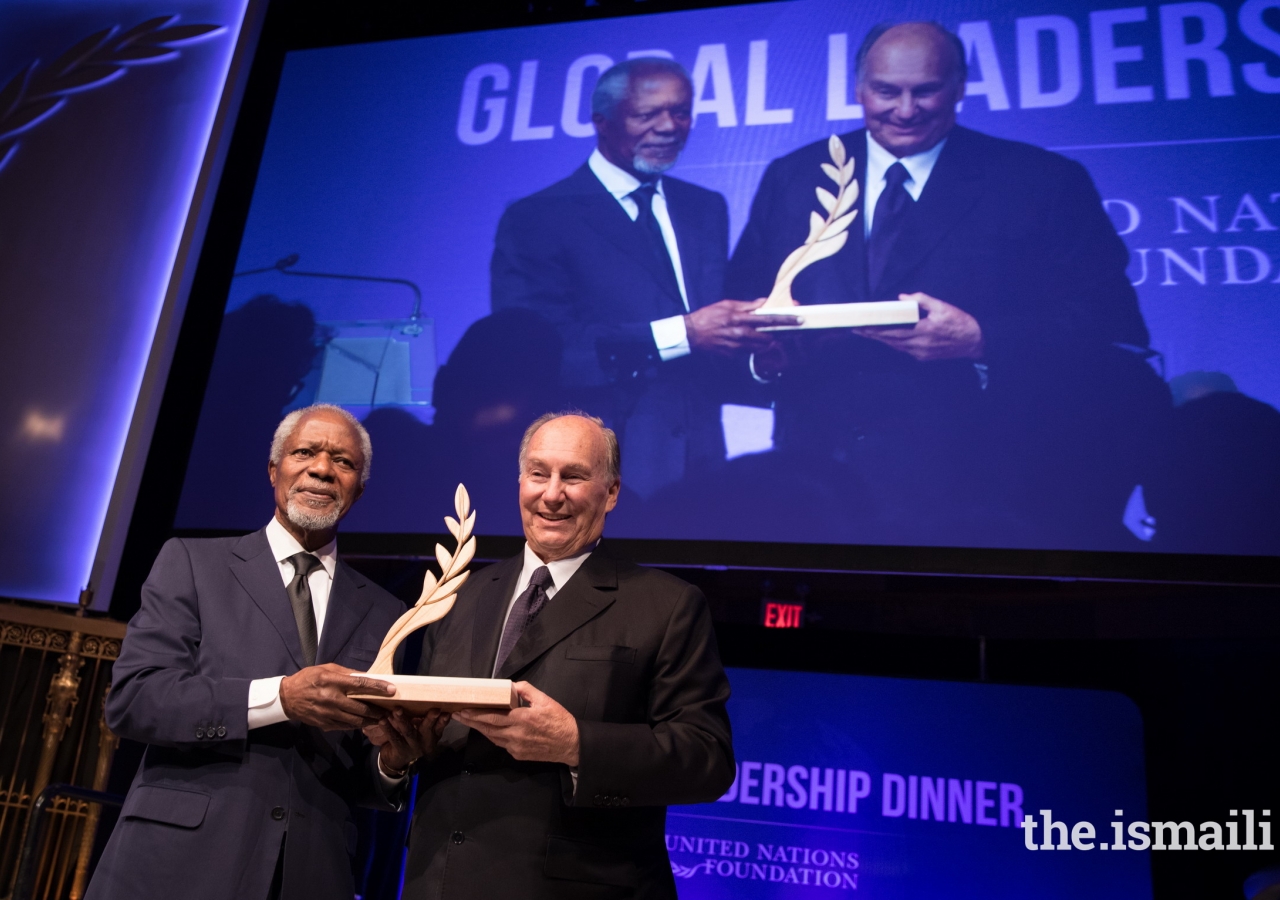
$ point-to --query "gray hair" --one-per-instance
(615, 84)
(613, 452)
(961, 69)
(290, 422)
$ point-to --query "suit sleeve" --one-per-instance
(684, 752)
(159, 696)
(1086, 300)
(533, 267)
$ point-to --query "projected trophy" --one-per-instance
(826, 237)
(418, 693)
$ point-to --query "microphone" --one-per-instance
(285, 267)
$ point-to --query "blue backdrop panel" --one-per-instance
(99, 155)
(988, 752)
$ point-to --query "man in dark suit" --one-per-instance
(235, 674)
(628, 263)
(996, 410)
(566, 797)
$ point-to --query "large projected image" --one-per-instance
(918, 789)
(451, 235)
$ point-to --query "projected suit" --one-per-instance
(1015, 236)
(571, 253)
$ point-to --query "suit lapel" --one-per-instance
(608, 219)
(588, 593)
(348, 606)
(490, 609)
(259, 574)
(953, 187)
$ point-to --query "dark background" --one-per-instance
(1197, 658)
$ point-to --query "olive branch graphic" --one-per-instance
(37, 92)
(826, 235)
(438, 595)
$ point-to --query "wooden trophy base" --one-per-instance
(845, 315)
(419, 693)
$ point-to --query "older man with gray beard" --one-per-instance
(627, 263)
(236, 673)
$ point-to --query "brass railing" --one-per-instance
(55, 669)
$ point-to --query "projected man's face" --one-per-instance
(649, 127)
(909, 87)
(565, 488)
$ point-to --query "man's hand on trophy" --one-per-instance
(728, 327)
(943, 332)
(401, 740)
(317, 695)
(543, 731)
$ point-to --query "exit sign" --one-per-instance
(775, 614)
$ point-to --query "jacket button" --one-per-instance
(626, 801)
(278, 813)
(457, 837)
(200, 733)
(222, 731)
(599, 798)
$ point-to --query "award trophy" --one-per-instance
(419, 693)
(826, 237)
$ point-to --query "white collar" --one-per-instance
(919, 166)
(616, 181)
(561, 569)
(284, 545)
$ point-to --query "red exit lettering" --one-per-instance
(783, 615)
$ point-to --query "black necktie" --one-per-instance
(892, 210)
(643, 196)
(523, 612)
(300, 597)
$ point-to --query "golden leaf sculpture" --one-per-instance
(438, 595)
(826, 235)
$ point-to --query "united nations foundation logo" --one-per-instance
(820, 867)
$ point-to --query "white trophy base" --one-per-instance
(845, 315)
(419, 693)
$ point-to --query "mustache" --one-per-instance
(315, 488)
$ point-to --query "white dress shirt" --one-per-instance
(669, 334)
(919, 167)
(264, 693)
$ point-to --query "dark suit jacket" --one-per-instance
(1014, 235)
(572, 254)
(1048, 432)
(631, 653)
(212, 801)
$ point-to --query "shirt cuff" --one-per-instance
(389, 782)
(573, 773)
(671, 337)
(265, 707)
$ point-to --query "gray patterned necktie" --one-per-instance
(300, 598)
(523, 612)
